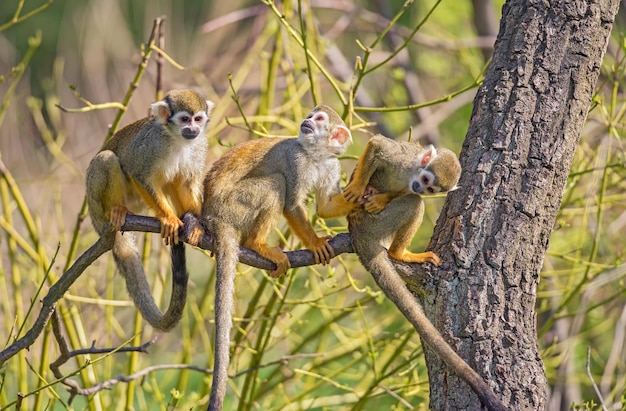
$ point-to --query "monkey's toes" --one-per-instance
(118, 217)
(195, 236)
(433, 258)
(281, 268)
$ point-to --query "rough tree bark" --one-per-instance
(493, 232)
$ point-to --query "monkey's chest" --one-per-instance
(184, 163)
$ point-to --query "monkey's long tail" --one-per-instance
(226, 255)
(128, 262)
(395, 289)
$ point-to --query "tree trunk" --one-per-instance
(493, 232)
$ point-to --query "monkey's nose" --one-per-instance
(416, 187)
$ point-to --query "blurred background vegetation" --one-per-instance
(243, 56)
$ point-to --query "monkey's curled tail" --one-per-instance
(377, 261)
(128, 262)
(226, 256)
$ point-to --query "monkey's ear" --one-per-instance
(427, 155)
(341, 134)
(161, 111)
(209, 107)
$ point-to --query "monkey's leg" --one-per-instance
(260, 202)
(106, 188)
(257, 241)
(189, 198)
(189, 195)
(410, 211)
(363, 171)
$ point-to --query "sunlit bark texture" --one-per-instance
(494, 231)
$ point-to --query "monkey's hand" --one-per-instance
(321, 249)
(353, 192)
(169, 229)
(118, 217)
(376, 203)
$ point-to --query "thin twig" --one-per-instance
(593, 383)
(160, 45)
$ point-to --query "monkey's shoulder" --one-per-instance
(124, 136)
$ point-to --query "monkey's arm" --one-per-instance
(403, 237)
(365, 168)
(153, 195)
(336, 206)
(299, 222)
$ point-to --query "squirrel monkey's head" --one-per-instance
(437, 171)
(324, 129)
(183, 113)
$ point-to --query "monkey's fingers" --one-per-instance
(118, 217)
(322, 251)
(352, 192)
(375, 204)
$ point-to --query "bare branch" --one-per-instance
(301, 258)
(55, 294)
(341, 244)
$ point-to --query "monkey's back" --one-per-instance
(122, 138)
(241, 161)
(396, 162)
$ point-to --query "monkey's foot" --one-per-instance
(195, 235)
(193, 229)
(279, 258)
(427, 257)
(275, 255)
(118, 217)
(321, 249)
(169, 229)
(282, 265)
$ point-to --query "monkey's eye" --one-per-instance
(431, 190)
(184, 119)
(197, 119)
(425, 180)
(319, 118)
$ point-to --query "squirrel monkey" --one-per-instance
(392, 176)
(248, 189)
(159, 159)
